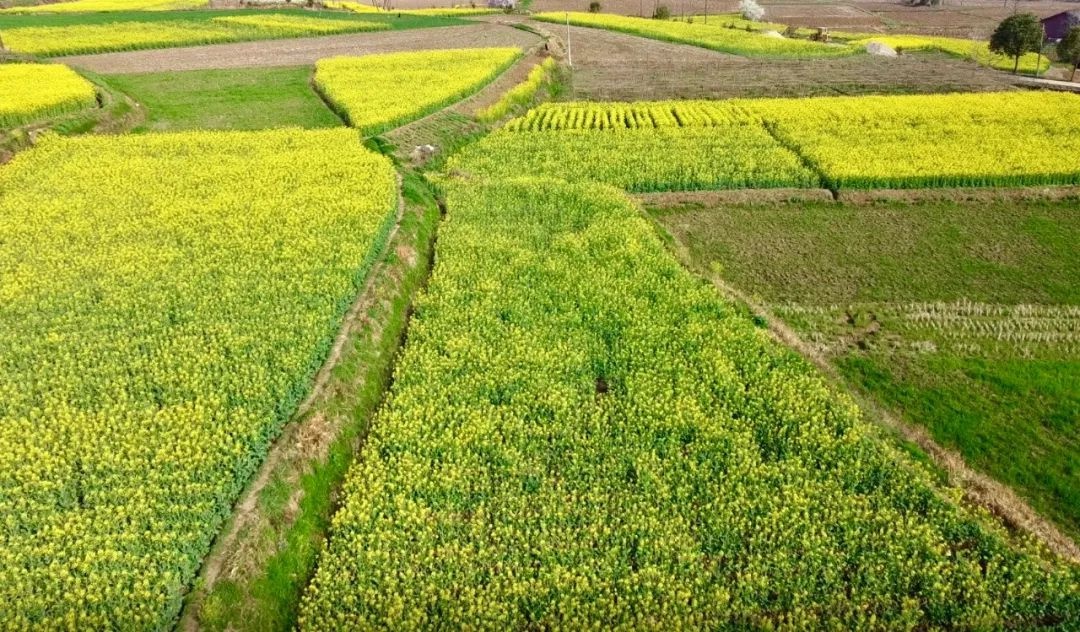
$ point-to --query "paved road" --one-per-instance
(1049, 84)
(298, 52)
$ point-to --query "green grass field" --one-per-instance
(964, 317)
(245, 98)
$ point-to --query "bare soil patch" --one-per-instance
(610, 66)
(496, 89)
(298, 52)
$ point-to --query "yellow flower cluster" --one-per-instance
(663, 159)
(379, 92)
(360, 7)
(451, 11)
(583, 436)
(977, 51)
(356, 7)
(746, 39)
(986, 139)
(35, 91)
(713, 35)
(165, 302)
(87, 6)
(116, 36)
(296, 26)
(520, 95)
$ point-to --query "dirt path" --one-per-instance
(455, 124)
(297, 52)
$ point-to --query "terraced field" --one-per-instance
(327, 329)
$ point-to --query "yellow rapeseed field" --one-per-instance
(116, 36)
(86, 6)
(984, 139)
(34, 91)
(582, 435)
(978, 51)
(380, 92)
(360, 7)
(165, 302)
(713, 35)
(288, 25)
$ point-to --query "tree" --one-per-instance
(751, 10)
(1068, 50)
(1017, 34)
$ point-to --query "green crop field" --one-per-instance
(963, 316)
(243, 98)
(382, 325)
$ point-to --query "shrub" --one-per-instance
(662, 12)
(594, 7)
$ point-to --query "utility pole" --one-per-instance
(706, 11)
(569, 54)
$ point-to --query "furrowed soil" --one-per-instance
(304, 51)
(610, 66)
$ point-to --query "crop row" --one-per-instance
(35, 91)
(116, 36)
(581, 435)
(165, 303)
(665, 159)
(379, 92)
(712, 36)
(988, 139)
(639, 115)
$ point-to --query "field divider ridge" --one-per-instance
(315, 438)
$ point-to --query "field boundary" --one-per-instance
(317, 431)
(114, 113)
(465, 107)
(978, 488)
(860, 197)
